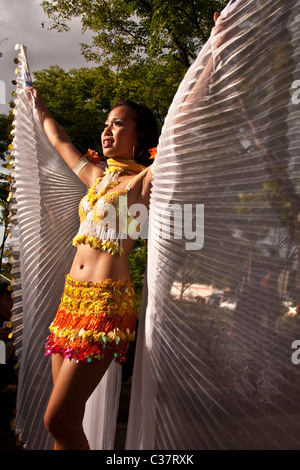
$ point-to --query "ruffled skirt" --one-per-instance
(93, 320)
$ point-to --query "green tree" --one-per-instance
(151, 83)
(79, 99)
(130, 30)
(137, 265)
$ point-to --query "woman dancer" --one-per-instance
(96, 318)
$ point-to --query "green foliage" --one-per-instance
(281, 202)
(137, 266)
(151, 83)
(144, 52)
(79, 99)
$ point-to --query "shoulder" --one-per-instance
(145, 177)
(91, 173)
(141, 184)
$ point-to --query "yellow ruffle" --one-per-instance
(91, 336)
(111, 247)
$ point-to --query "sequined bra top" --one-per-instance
(104, 216)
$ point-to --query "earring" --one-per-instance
(133, 152)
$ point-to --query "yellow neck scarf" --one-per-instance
(125, 165)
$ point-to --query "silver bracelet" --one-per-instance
(80, 165)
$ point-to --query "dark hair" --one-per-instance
(147, 129)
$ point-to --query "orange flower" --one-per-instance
(153, 153)
(93, 156)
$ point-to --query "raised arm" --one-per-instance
(88, 172)
(200, 88)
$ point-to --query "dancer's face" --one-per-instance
(120, 134)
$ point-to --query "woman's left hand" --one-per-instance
(35, 97)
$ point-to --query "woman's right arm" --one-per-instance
(61, 141)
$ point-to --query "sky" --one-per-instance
(21, 23)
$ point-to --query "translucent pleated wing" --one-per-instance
(46, 195)
(216, 363)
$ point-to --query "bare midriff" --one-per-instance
(94, 265)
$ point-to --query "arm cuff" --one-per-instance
(80, 165)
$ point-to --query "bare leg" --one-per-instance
(57, 362)
(74, 382)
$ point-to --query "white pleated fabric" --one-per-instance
(216, 363)
(46, 194)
